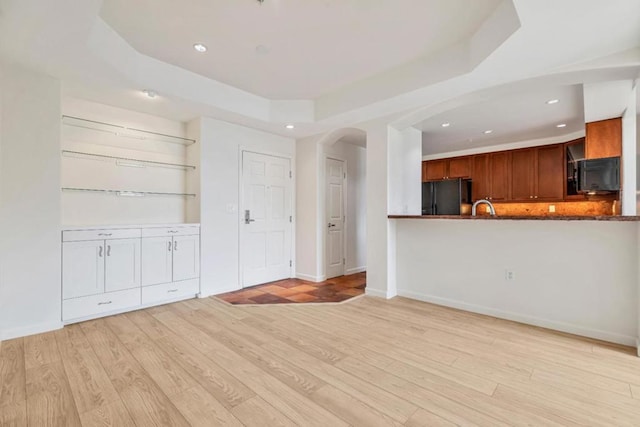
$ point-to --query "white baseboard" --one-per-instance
(310, 278)
(375, 293)
(355, 270)
(30, 330)
(522, 318)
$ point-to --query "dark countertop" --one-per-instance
(530, 218)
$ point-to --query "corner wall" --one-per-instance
(30, 253)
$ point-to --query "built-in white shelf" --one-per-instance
(126, 161)
(123, 131)
(126, 193)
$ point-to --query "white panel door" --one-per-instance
(82, 268)
(266, 219)
(334, 191)
(157, 260)
(122, 264)
(186, 257)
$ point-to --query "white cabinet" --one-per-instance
(122, 264)
(157, 256)
(114, 270)
(170, 259)
(82, 268)
(186, 257)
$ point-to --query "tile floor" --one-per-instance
(291, 291)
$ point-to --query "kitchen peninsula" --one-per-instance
(550, 257)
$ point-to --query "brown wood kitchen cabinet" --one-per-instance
(537, 173)
(603, 139)
(457, 167)
(489, 179)
(549, 173)
(499, 175)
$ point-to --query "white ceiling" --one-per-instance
(312, 46)
(520, 116)
(520, 41)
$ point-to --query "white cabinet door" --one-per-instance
(122, 265)
(156, 260)
(186, 257)
(82, 268)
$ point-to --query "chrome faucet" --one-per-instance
(481, 201)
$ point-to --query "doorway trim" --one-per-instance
(324, 222)
(292, 166)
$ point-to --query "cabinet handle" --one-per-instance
(172, 231)
(105, 234)
(108, 250)
(175, 245)
(169, 246)
(100, 252)
(105, 303)
(531, 197)
(535, 197)
(172, 290)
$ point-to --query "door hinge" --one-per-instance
(345, 175)
(290, 219)
(290, 263)
(290, 174)
(344, 261)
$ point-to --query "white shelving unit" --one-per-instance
(120, 174)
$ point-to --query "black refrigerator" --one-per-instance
(445, 197)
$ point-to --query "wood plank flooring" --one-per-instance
(367, 362)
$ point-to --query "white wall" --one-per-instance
(82, 208)
(30, 289)
(377, 222)
(356, 209)
(220, 145)
(405, 171)
(575, 276)
(629, 156)
(308, 233)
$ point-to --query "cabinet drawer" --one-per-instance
(170, 231)
(78, 308)
(169, 291)
(80, 235)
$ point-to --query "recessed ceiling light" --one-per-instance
(487, 132)
(561, 125)
(150, 93)
(446, 125)
(262, 49)
(200, 47)
(290, 126)
(553, 101)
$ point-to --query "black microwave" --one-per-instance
(597, 176)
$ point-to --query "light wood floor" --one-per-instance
(364, 363)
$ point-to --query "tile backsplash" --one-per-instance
(581, 208)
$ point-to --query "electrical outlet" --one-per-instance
(552, 208)
(509, 275)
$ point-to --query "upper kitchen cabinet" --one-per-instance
(499, 175)
(537, 173)
(549, 173)
(434, 170)
(480, 182)
(457, 167)
(603, 139)
(490, 177)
